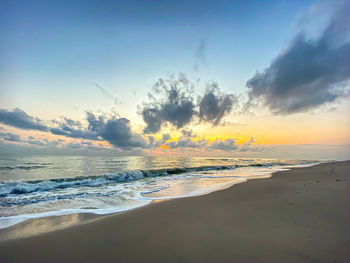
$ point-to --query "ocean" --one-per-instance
(33, 187)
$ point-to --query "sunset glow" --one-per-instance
(188, 88)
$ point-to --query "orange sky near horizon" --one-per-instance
(328, 128)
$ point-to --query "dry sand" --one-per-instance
(300, 215)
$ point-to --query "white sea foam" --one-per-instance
(12, 220)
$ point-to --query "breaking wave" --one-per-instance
(24, 187)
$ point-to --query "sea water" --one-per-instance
(33, 187)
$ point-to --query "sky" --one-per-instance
(207, 78)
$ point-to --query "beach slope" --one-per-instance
(301, 215)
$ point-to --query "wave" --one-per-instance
(24, 187)
(39, 199)
(26, 166)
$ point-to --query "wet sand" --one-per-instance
(301, 215)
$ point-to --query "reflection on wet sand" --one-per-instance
(193, 187)
(44, 225)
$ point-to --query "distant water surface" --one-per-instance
(32, 187)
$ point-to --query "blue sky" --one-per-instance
(51, 48)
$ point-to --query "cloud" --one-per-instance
(58, 148)
(116, 131)
(153, 118)
(165, 137)
(310, 72)
(87, 143)
(151, 140)
(105, 92)
(200, 54)
(230, 145)
(173, 102)
(214, 105)
(226, 145)
(108, 95)
(32, 140)
(188, 143)
(19, 119)
(175, 106)
(9, 136)
(188, 133)
(74, 145)
(188, 140)
(70, 128)
(249, 147)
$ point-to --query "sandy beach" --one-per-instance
(301, 215)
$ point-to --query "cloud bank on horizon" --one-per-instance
(116, 131)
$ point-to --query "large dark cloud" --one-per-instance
(173, 102)
(115, 130)
(214, 105)
(153, 118)
(309, 72)
(19, 119)
(175, 105)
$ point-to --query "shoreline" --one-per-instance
(51, 223)
(211, 227)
